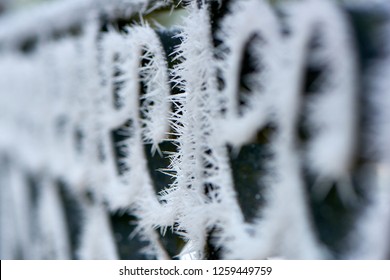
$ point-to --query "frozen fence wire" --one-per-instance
(263, 119)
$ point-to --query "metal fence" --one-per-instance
(250, 130)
